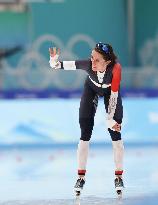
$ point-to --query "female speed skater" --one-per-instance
(103, 80)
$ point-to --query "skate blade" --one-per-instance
(119, 193)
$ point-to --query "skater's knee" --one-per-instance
(115, 136)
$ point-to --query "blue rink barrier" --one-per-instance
(48, 122)
(11, 94)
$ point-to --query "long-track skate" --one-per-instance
(79, 186)
(119, 186)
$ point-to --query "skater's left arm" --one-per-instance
(67, 65)
(112, 124)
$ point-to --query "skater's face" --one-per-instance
(98, 62)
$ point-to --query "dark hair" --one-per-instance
(106, 51)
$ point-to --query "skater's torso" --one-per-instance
(99, 82)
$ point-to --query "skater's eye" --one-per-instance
(96, 60)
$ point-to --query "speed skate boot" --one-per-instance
(119, 185)
(79, 186)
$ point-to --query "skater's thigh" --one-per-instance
(88, 104)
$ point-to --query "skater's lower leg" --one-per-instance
(118, 151)
(86, 125)
(82, 155)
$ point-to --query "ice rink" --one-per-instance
(46, 176)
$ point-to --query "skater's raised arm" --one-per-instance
(67, 65)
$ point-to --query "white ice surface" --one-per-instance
(47, 176)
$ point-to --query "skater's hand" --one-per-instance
(117, 127)
(54, 55)
(54, 51)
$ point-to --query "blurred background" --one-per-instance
(39, 106)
